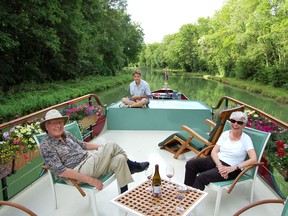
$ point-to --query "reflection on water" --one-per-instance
(113, 95)
(200, 89)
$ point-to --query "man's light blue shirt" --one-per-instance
(141, 90)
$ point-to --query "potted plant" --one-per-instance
(19, 145)
(7, 154)
(84, 114)
(276, 152)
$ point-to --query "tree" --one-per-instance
(51, 40)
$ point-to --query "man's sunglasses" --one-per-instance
(238, 122)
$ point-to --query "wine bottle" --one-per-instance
(156, 182)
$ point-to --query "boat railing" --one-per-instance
(40, 113)
(260, 112)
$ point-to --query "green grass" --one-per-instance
(30, 97)
(280, 95)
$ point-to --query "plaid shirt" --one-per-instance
(59, 156)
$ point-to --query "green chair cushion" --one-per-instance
(184, 136)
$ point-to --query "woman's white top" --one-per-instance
(234, 152)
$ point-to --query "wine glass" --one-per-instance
(148, 173)
(170, 173)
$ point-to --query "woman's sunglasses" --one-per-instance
(238, 122)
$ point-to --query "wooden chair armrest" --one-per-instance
(205, 151)
(258, 203)
(210, 123)
(18, 206)
(196, 135)
(78, 187)
(241, 174)
(73, 182)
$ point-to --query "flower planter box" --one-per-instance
(6, 169)
(24, 159)
(89, 120)
(284, 173)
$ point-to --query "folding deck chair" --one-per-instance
(194, 139)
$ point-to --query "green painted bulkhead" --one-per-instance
(160, 115)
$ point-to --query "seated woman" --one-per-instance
(227, 157)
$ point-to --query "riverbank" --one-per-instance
(31, 97)
(280, 95)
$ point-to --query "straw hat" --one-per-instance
(50, 115)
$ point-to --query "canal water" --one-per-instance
(194, 88)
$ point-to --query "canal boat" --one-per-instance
(138, 132)
(168, 94)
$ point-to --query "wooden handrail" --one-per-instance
(18, 206)
(73, 181)
(262, 113)
(267, 201)
(241, 174)
(43, 111)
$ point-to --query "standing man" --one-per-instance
(140, 93)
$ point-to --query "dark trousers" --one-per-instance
(200, 172)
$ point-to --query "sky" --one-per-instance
(159, 18)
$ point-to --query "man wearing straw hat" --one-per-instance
(68, 157)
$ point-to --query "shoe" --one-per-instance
(136, 166)
(144, 106)
(122, 105)
(123, 189)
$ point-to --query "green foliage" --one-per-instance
(277, 150)
(246, 68)
(58, 40)
(49, 94)
(279, 77)
(246, 39)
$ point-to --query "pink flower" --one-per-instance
(70, 102)
(266, 128)
(26, 156)
(16, 141)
